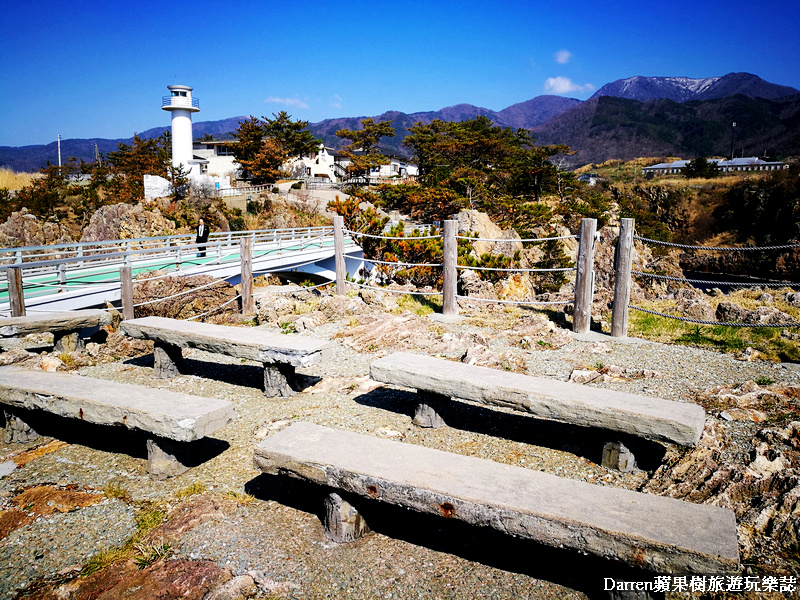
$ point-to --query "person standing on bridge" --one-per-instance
(201, 237)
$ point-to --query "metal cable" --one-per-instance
(530, 240)
(717, 248)
(517, 270)
(730, 283)
(367, 287)
(302, 288)
(385, 262)
(199, 287)
(208, 312)
(717, 323)
(520, 302)
(383, 237)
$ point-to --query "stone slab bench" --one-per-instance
(66, 327)
(280, 354)
(437, 381)
(642, 530)
(172, 420)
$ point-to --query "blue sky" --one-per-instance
(98, 69)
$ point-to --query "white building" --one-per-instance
(751, 163)
(324, 166)
(181, 105)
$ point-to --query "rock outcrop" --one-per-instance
(126, 221)
(25, 229)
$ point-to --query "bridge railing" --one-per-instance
(59, 271)
(23, 254)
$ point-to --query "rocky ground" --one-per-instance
(81, 518)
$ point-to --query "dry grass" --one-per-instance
(768, 342)
(11, 180)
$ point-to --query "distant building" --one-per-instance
(325, 166)
(752, 163)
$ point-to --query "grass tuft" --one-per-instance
(196, 488)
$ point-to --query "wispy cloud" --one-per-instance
(562, 56)
(564, 85)
(292, 102)
(337, 101)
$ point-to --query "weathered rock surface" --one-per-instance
(764, 493)
(25, 229)
(126, 221)
(474, 221)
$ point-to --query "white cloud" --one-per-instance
(564, 85)
(337, 101)
(562, 56)
(293, 102)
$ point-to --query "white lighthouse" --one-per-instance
(181, 104)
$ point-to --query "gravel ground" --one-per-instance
(278, 536)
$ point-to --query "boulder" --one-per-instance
(728, 312)
(767, 315)
(474, 221)
(126, 221)
(25, 229)
(695, 308)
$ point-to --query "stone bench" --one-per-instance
(66, 327)
(280, 354)
(437, 381)
(641, 530)
(171, 420)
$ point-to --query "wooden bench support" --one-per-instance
(617, 456)
(642, 530)
(17, 431)
(167, 360)
(279, 380)
(431, 409)
(171, 421)
(65, 342)
(342, 522)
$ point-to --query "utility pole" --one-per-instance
(59, 153)
(733, 130)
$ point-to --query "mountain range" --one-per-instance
(628, 118)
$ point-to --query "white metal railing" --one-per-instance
(77, 278)
(24, 254)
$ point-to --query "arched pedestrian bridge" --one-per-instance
(81, 275)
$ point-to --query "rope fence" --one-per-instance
(754, 283)
(624, 272)
(717, 248)
(208, 312)
(716, 323)
(584, 274)
(519, 302)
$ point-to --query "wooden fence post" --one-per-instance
(338, 247)
(622, 279)
(248, 306)
(15, 295)
(449, 266)
(582, 314)
(126, 291)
